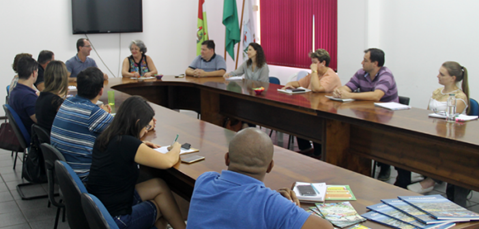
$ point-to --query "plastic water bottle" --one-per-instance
(451, 108)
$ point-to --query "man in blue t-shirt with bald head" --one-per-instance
(238, 198)
(208, 64)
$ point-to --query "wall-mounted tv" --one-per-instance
(107, 16)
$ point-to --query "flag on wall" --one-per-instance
(202, 30)
(249, 27)
(230, 20)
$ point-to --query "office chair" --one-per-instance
(274, 80)
(474, 107)
(23, 136)
(71, 187)
(96, 213)
(51, 154)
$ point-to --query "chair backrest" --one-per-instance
(96, 213)
(274, 80)
(72, 188)
(474, 107)
(51, 154)
(42, 134)
(301, 74)
(8, 90)
(404, 100)
(21, 132)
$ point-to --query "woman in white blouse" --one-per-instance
(450, 74)
(255, 68)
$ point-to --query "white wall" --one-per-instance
(417, 37)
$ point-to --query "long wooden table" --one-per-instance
(212, 140)
(351, 133)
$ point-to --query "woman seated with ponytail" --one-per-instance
(450, 74)
(114, 171)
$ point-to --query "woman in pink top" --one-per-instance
(322, 77)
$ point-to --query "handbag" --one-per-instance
(8, 139)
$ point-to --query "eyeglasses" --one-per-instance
(87, 46)
(148, 127)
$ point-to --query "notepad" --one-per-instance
(164, 149)
(393, 106)
(460, 118)
(142, 78)
(339, 99)
(319, 188)
(294, 91)
(235, 78)
(72, 88)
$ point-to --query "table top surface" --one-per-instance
(289, 166)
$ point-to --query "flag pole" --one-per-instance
(313, 34)
(239, 43)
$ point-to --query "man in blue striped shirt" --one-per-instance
(79, 121)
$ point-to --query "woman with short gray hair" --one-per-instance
(138, 64)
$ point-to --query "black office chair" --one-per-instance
(96, 213)
(404, 100)
(51, 154)
(71, 188)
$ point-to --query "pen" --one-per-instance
(175, 140)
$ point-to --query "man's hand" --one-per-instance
(337, 93)
(107, 108)
(151, 145)
(290, 195)
(199, 73)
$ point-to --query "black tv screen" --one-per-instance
(107, 16)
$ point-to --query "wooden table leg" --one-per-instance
(336, 151)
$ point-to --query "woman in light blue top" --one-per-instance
(255, 68)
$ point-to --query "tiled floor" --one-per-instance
(16, 213)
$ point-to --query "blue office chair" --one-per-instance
(274, 80)
(71, 188)
(23, 136)
(474, 107)
(51, 154)
(96, 213)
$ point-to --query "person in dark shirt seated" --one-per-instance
(51, 98)
(114, 170)
(44, 57)
(23, 97)
(238, 198)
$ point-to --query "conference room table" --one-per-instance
(336, 125)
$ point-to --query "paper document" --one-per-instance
(393, 106)
(164, 149)
(234, 78)
(298, 90)
(461, 117)
(72, 88)
(339, 99)
(142, 78)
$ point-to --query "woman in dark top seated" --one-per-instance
(51, 98)
(114, 171)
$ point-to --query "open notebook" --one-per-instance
(164, 149)
(298, 90)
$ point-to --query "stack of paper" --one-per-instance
(235, 78)
(393, 106)
(339, 99)
(461, 117)
(340, 214)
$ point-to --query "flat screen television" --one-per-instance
(107, 16)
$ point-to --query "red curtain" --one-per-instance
(286, 30)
